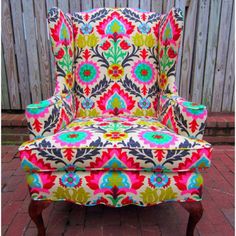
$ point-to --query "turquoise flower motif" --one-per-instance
(70, 180)
(87, 73)
(194, 110)
(144, 103)
(72, 138)
(143, 72)
(144, 28)
(159, 180)
(157, 138)
(195, 181)
(86, 29)
(87, 103)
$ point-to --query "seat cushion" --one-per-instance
(115, 143)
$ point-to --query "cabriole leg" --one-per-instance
(35, 212)
(195, 210)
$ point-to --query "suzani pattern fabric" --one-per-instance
(115, 188)
(115, 132)
(116, 143)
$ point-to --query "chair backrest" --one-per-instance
(120, 59)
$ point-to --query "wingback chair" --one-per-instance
(115, 131)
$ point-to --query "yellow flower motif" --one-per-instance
(115, 71)
(69, 80)
(92, 40)
(115, 136)
(72, 194)
(81, 42)
(150, 196)
(163, 79)
(138, 40)
(149, 41)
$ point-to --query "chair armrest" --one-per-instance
(50, 116)
(183, 117)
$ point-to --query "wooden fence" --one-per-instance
(205, 70)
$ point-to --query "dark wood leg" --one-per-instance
(35, 212)
(195, 210)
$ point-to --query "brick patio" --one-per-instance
(166, 219)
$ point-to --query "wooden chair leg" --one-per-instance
(195, 210)
(35, 212)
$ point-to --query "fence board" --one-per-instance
(121, 3)
(86, 5)
(157, 6)
(199, 60)
(226, 11)
(63, 5)
(230, 77)
(233, 102)
(213, 31)
(133, 3)
(110, 3)
(4, 89)
(145, 5)
(74, 6)
(31, 44)
(9, 56)
(20, 50)
(188, 46)
(43, 49)
(98, 3)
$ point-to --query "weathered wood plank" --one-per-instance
(121, 3)
(110, 3)
(213, 30)
(20, 50)
(63, 5)
(199, 59)
(167, 5)
(221, 59)
(43, 49)
(145, 5)
(98, 4)
(233, 102)
(157, 6)
(9, 56)
(34, 73)
(230, 70)
(50, 4)
(4, 89)
(133, 3)
(75, 6)
(188, 48)
(86, 5)
(180, 4)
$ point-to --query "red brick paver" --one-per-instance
(68, 219)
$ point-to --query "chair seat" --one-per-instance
(115, 143)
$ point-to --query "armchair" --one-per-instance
(115, 132)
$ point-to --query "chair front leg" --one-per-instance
(195, 210)
(35, 212)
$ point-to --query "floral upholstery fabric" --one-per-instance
(115, 188)
(115, 132)
(117, 143)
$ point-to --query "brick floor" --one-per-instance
(68, 219)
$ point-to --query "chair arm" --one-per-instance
(183, 117)
(50, 116)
